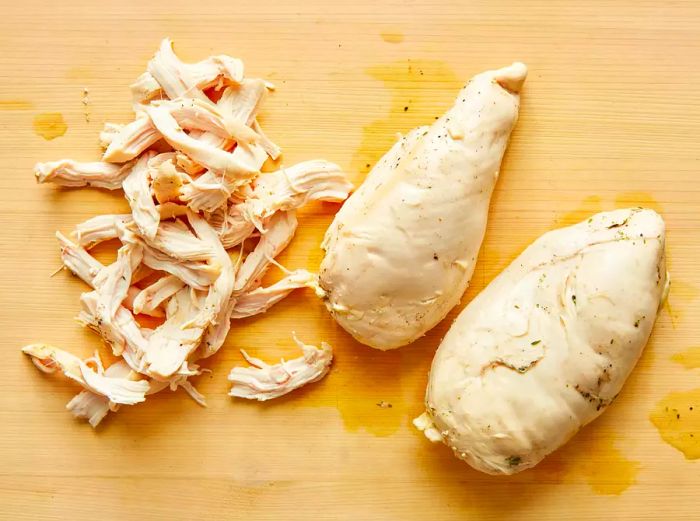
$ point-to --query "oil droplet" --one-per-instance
(589, 206)
(14, 105)
(50, 125)
(392, 37)
(677, 417)
(689, 359)
(421, 90)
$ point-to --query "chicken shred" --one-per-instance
(261, 299)
(264, 382)
(190, 167)
(118, 390)
(137, 189)
(74, 174)
(150, 298)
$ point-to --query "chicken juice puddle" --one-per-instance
(677, 418)
(50, 125)
(421, 90)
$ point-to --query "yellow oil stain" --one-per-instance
(690, 359)
(637, 199)
(421, 91)
(606, 470)
(591, 456)
(589, 206)
(365, 385)
(392, 36)
(50, 125)
(677, 418)
(682, 294)
(15, 105)
(672, 313)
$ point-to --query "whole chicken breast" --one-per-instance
(401, 251)
(548, 345)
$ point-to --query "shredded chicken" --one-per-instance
(293, 187)
(74, 174)
(167, 182)
(137, 190)
(150, 298)
(261, 299)
(130, 140)
(189, 205)
(264, 382)
(279, 230)
(118, 390)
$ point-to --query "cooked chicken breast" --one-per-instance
(401, 251)
(548, 345)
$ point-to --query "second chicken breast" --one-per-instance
(401, 251)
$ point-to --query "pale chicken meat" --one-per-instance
(94, 407)
(212, 190)
(128, 141)
(171, 343)
(74, 174)
(293, 187)
(193, 168)
(548, 344)
(167, 181)
(264, 382)
(231, 226)
(151, 297)
(100, 228)
(118, 390)
(261, 299)
(188, 166)
(179, 79)
(279, 230)
(137, 189)
(401, 251)
(210, 157)
(174, 238)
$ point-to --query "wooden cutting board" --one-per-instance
(610, 118)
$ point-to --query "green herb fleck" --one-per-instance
(535, 342)
(573, 298)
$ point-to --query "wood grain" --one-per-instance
(610, 117)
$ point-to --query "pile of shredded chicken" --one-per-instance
(190, 166)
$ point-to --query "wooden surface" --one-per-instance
(610, 117)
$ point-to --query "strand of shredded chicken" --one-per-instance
(263, 381)
(204, 227)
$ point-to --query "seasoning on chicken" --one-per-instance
(264, 382)
(548, 344)
(401, 251)
(191, 200)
